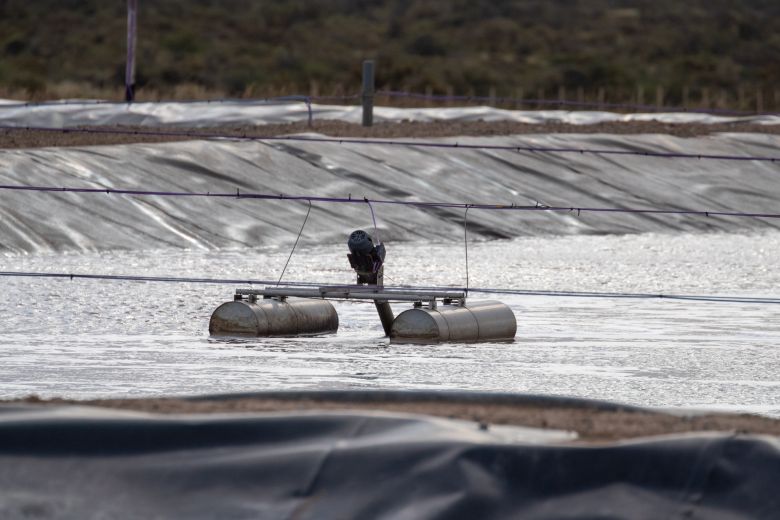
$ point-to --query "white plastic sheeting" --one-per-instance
(203, 114)
(33, 221)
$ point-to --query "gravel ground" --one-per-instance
(590, 423)
(86, 136)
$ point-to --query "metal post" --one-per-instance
(368, 93)
(132, 9)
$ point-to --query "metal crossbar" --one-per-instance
(353, 293)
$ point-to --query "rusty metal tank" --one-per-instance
(475, 321)
(274, 317)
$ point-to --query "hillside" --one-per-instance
(713, 52)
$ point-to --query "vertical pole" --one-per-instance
(385, 315)
(368, 93)
(659, 98)
(132, 9)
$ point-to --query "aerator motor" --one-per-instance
(366, 258)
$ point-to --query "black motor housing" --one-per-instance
(360, 242)
(365, 258)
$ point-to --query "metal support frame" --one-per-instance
(378, 294)
(385, 315)
(356, 292)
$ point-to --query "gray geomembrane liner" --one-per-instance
(87, 463)
(46, 222)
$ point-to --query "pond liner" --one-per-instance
(80, 462)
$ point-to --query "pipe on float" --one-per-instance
(274, 317)
(475, 321)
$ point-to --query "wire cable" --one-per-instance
(466, 244)
(373, 218)
(401, 288)
(404, 143)
(305, 219)
(419, 204)
(566, 103)
(636, 107)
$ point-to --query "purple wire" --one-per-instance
(312, 198)
(346, 97)
(565, 102)
(90, 102)
(413, 95)
(422, 144)
(262, 101)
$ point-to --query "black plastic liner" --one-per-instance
(60, 462)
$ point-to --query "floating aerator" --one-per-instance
(437, 316)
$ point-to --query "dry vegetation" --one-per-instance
(700, 52)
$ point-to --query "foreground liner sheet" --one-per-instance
(61, 462)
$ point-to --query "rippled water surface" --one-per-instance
(86, 338)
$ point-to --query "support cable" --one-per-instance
(373, 218)
(466, 244)
(306, 218)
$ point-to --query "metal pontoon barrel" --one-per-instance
(475, 321)
(274, 317)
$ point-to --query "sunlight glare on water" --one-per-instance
(88, 338)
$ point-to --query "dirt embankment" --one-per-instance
(590, 423)
(105, 135)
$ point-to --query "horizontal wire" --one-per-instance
(378, 142)
(481, 290)
(568, 102)
(643, 108)
(420, 204)
(107, 102)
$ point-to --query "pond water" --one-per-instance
(90, 338)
